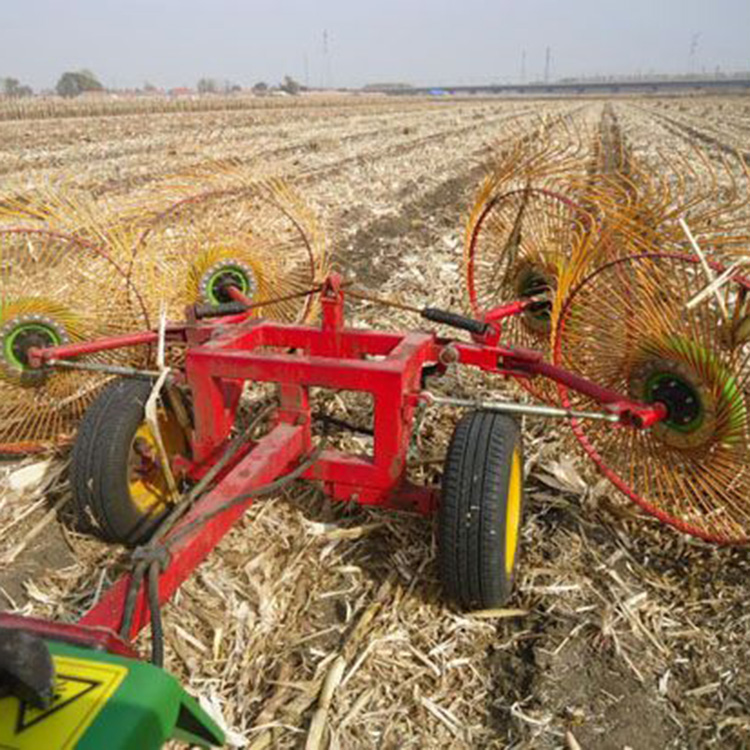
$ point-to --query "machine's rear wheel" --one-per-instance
(117, 477)
(480, 510)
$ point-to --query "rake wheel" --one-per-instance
(628, 326)
(258, 237)
(517, 244)
(55, 289)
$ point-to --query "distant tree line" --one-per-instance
(75, 83)
(212, 86)
(71, 83)
(12, 88)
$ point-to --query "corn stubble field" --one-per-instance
(622, 633)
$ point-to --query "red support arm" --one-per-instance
(271, 457)
(37, 357)
(639, 414)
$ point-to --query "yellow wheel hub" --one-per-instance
(513, 511)
(149, 489)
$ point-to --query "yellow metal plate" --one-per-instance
(82, 689)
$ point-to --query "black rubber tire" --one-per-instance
(99, 464)
(473, 512)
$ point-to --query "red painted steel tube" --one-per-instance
(646, 414)
(506, 311)
(38, 356)
(570, 379)
(238, 296)
(272, 457)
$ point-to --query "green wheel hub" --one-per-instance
(705, 406)
(21, 334)
(215, 282)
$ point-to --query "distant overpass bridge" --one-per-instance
(717, 85)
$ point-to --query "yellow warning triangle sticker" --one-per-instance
(82, 689)
(68, 688)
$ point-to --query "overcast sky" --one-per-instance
(175, 42)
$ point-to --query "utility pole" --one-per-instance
(693, 49)
(307, 72)
(326, 72)
(523, 67)
(547, 60)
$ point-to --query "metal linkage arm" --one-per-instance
(270, 458)
(511, 407)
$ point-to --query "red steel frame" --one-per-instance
(222, 355)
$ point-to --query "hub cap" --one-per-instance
(149, 489)
(26, 332)
(683, 402)
(215, 282)
(532, 283)
(704, 404)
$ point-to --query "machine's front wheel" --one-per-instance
(116, 471)
(479, 519)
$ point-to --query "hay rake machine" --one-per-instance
(621, 293)
(651, 369)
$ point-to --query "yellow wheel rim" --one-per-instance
(147, 482)
(513, 511)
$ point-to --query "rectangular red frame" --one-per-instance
(385, 364)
